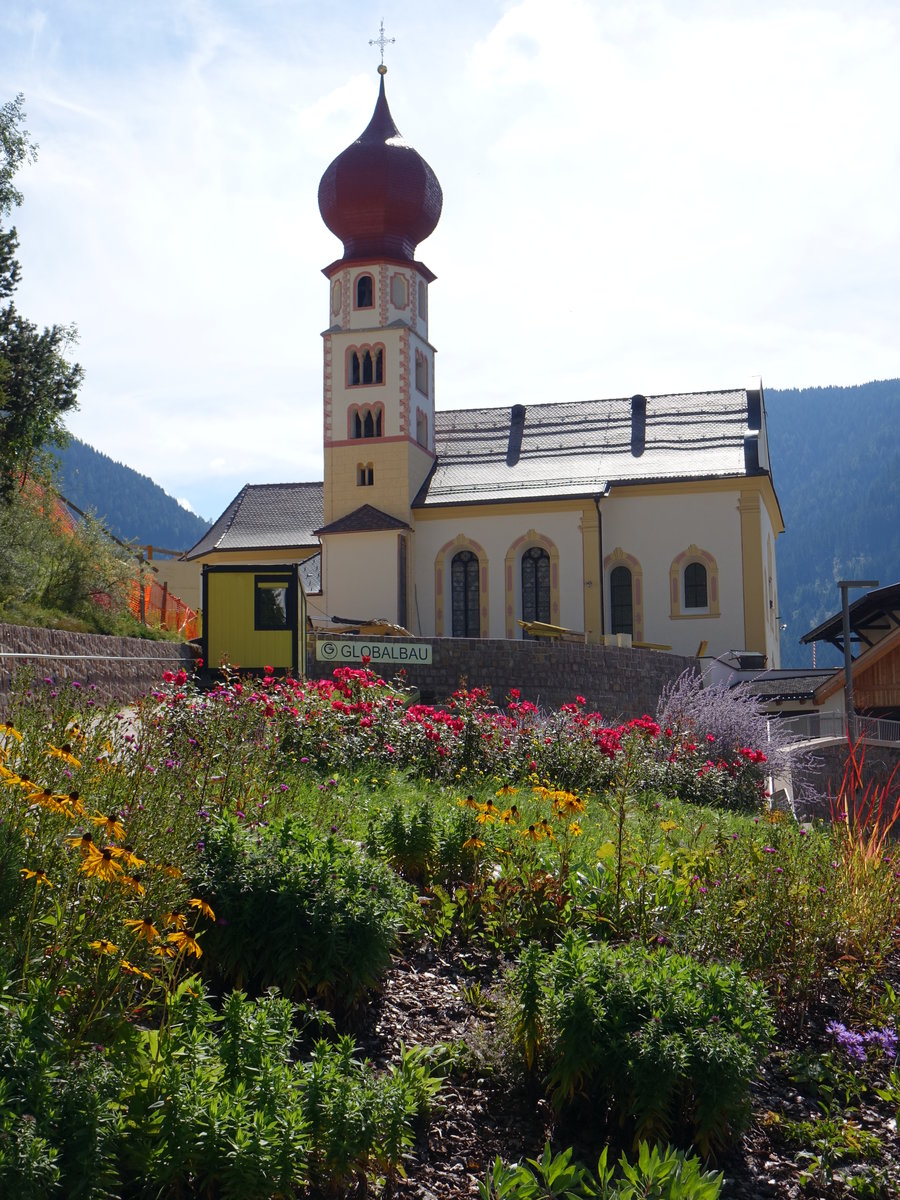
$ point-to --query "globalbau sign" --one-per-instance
(343, 650)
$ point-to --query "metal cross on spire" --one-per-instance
(381, 41)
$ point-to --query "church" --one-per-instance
(648, 519)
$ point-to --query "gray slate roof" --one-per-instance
(580, 448)
(365, 519)
(266, 516)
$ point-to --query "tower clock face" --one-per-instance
(336, 297)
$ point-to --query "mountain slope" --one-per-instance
(130, 505)
(836, 465)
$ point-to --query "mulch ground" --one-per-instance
(427, 998)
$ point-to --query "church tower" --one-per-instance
(381, 199)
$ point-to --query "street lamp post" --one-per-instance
(845, 585)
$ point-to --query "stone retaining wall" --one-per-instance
(613, 680)
(119, 668)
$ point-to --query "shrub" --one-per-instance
(654, 1040)
(655, 1175)
(298, 911)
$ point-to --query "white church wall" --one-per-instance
(361, 569)
(495, 532)
(657, 527)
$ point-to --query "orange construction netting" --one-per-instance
(163, 610)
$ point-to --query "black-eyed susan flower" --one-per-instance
(100, 864)
(473, 843)
(469, 802)
(39, 876)
(63, 753)
(8, 730)
(46, 799)
(128, 858)
(168, 870)
(73, 804)
(84, 841)
(103, 946)
(533, 833)
(130, 969)
(175, 920)
(507, 790)
(111, 825)
(203, 907)
(510, 816)
(142, 927)
(567, 803)
(185, 943)
(163, 951)
(133, 884)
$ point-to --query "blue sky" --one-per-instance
(638, 196)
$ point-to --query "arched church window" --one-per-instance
(365, 366)
(695, 589)
(366, 422)
(365, 474)
(621, 607)
(536, 584)
(465, 595)
(421, 428)
(365, 292)
(423, 300)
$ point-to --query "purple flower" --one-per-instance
(769, 850)
(853, 1043)
(885, 1038)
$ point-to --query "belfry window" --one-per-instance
(365, 474)
(421, 373)
(695, 589)
(621, 607)
(366, 422)
(536, 584)
(365, 292)
(365, 367)
(465, 595)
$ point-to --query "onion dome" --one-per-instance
(380, 197)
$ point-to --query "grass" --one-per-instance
(162, 872)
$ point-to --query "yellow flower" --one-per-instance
(143, 927)
(46, 799)
(162, 951)
(103, 946)
(510, 816)
(64, 753)
(469, 802)
(132, 882)
(111, 825)
(204, 908)
(100, 864)
(131, 969)
(507, 790)
(7, 729)
(176, 920)
(185, 943)
(575, 829)
(84, 843)
(168, 869)
(39, 876)
(567, 803)
(73, 803)
(128, 857)
(534, 833)
(473, 843)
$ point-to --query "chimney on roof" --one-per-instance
(638, 424)
(516, 429)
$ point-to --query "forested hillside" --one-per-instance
(836, 464)
(131, 506)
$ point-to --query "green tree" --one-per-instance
(37, 383)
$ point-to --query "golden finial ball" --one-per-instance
(382, 69)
